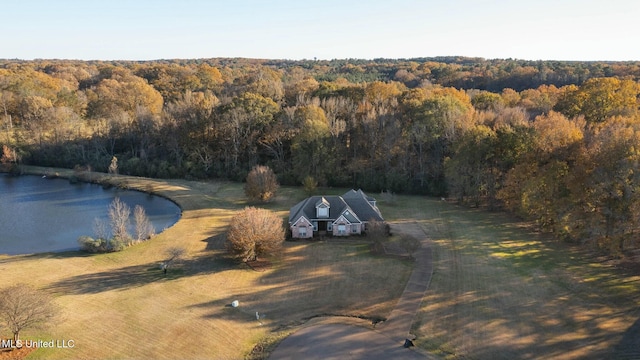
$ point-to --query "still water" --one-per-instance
(44, 215)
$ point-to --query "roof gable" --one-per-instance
(360, 205)
(350, 216)
(303, 220)
(307, 207)
(323, 202)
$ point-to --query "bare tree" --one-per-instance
(174, 255)
(100, 228)
(22, 307)
(119, 217)
(254, 232)
(113, 167)
(144, 228)
(262, 183)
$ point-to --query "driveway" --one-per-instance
(340, 341)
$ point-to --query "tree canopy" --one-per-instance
(552, 141)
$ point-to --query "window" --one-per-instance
(354, 228)
(342, 229)
(323, 212)
(315, 226)
(329, 226)
(302, 231)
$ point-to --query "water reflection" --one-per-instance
(43, 215)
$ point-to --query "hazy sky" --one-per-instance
(323, 29)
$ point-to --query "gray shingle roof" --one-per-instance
(356, 201)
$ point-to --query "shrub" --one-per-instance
(262, 184)
(118, 243)
(119, 222)
(388, 197)
(377, 231)
(410, 244)
(254, 232)
(92, 245)
(310, 185)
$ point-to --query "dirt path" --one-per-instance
(340, 341)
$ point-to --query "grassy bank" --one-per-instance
(120, 305)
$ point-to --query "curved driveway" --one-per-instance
(339, 341)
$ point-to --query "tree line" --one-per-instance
(555, 142)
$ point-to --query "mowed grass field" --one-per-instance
(501, 291)
(120, 305)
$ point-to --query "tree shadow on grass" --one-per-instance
(216, 242)
(117, 279)
(139, 275)
(315, 279)
(244, 312)
(535, 297)
(629, 345)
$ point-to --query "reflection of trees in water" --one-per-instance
(41, 215)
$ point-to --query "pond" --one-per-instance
(49, 215)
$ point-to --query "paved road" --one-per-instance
(339, 341)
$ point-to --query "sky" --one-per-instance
(583, 30)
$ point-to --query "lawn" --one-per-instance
(120, 305)
(501, 291)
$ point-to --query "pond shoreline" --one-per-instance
(59, 240)
(91, 177)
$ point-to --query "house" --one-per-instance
(333, 215)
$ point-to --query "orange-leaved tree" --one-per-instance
(254, 232)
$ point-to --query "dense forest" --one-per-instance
(551, 141)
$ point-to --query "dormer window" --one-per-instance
(322, 208)
(323, 212)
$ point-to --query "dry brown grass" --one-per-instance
(120, 305)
